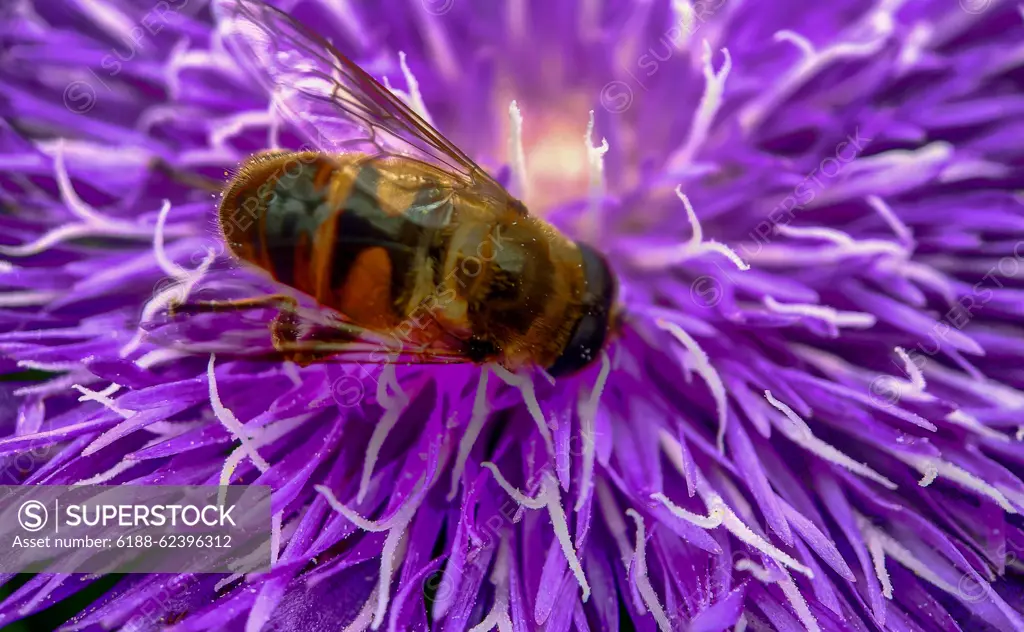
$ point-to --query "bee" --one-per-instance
(390, 226)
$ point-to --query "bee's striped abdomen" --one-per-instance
(339, 229)
(300, 206)
(273, 215)
(366, 256)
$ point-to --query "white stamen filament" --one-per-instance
(291, 371)
(561, 527)
(813, 61)
(415, 97)
(230, 579)
(712, 521)
(525, 387)
(587, 410)
(56, 236)
(968, 169)
(169, 268)
(373, 526)
(268, 435)
(392, 552)
(518, 496)
(89, 395)
(674, 451)
(759, 572)
(110, 390)
(234, 124)
(516, 155)
(802, 43)
(498, 616)
(965, 420)
(388, 384)
(275, 537)
(157, 357)
(800, 433)
(177, 292)
(684, 13)
(393, 406)
(103, 477)
(75, 204)
(53, 386)
(898, 227)
(847, 244)
(895, 171)
(365, 616)
(92, 224)
(932, 467)
(916, 377)
(472, 432)
(613, 519)
(881, 544)
(25, 299)
(719, 514)
(595, 163)
(714, 87)
(703, 367)
(789, 589)
(666, 257)
(226, 471)
(874, 545)
(796, 599)
(836, 318)
(391, 556)
(930, 474)
(233, 425)
(182, 58)
(548, 497)
(643, 583)
(55, 367)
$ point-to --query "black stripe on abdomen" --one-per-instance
(362, 224)
(297, 208)
(281, 250)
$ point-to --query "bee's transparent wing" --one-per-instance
(335, 104)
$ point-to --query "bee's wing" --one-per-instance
(335, 103)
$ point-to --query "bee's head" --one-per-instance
(597, 318)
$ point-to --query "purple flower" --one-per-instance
(810, 416)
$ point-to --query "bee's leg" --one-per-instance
(282, 302)
(284, 328)
(284, 332)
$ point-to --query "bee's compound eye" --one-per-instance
(591, 330)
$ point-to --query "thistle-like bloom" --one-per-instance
(807, 418)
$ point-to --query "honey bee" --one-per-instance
(394, 228)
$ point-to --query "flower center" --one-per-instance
(554, 129)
